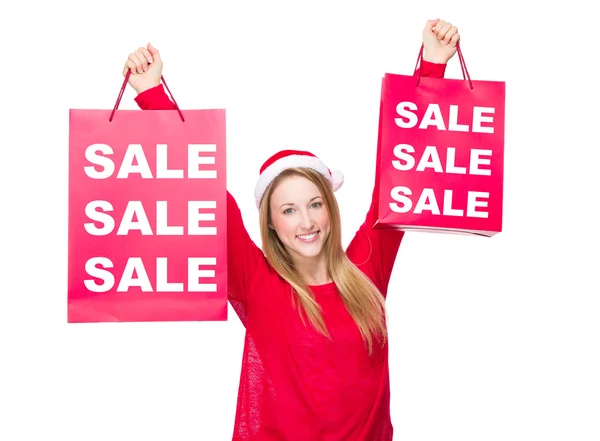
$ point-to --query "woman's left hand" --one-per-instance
(439, 41)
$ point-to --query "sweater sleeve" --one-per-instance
(154, 99)
(374, 250)
(245, 260)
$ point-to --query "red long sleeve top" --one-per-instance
(296, 384)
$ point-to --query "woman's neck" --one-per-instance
(313, 271)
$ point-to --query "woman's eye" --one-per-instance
(316, 205)
(287, 211)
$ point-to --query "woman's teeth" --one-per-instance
(307, 236)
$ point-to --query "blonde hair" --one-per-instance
(360, 296)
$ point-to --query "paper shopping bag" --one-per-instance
(147, 216)
(441, 154)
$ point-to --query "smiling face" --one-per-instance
(299, 217)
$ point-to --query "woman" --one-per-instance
(315, 362)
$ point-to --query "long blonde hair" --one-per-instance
(361, 297)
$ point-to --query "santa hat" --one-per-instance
(285, 159)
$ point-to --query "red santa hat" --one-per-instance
(285, 159)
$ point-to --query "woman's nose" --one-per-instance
(306, 221)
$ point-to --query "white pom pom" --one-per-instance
(337, 179)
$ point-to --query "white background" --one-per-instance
(490, 339)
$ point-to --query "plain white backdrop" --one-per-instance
(490, 339)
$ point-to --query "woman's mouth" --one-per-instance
(308, 238)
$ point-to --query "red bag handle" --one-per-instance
(461, 59)
(123, 90)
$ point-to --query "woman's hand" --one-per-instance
(439, 41)
(146, 68)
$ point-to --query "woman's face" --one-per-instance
(299, 217)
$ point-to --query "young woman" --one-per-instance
(315, 362)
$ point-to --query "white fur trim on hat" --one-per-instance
(336, 179)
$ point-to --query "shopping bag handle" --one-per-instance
(461, 59)
(123, 90)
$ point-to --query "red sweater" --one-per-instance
(295, 384)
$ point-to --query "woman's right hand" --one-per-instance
(146, 68)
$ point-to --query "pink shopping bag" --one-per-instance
(147, 215)
(441, 154)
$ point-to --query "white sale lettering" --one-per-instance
(429, 202)
(431, 159)
(146, 217)
(135, 275)
(135, 161)
(442, 202)
(135, 218)
(433, 117)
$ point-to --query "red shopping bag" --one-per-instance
(147, 215)
(441, 154)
